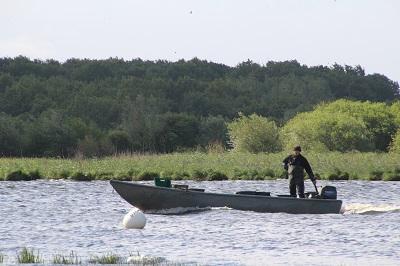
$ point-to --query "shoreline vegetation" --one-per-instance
(202, 167)
(32, 256)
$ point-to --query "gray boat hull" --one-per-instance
(152, 198)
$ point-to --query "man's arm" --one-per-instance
(308, 169)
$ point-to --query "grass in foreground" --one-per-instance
(105, 259)
(28, 256)
(72, 258)
(202, 166)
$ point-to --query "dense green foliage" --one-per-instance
(395, 144)
(254, 134)
(344, 126)
(99, 107)
(205, 166)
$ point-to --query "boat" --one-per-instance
(155, 198)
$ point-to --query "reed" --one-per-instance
(28, 256)
(1, 258)
(109, 258)
(72, 258)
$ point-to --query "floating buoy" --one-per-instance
(134, 219)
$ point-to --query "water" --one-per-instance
(85, 217)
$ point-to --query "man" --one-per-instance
(295, 165)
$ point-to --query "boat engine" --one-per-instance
(329, 192)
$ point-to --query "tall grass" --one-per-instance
(105, 259)
(1, 258)
(28, 256)
(202, 166)
(72, 258)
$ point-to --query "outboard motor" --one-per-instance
(329, 192)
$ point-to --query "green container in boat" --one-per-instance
(162, 182)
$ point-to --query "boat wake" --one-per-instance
(178, 211)
(359, 208)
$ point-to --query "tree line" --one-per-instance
(101, 107)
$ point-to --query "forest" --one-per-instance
(103, 107)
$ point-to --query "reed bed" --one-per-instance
(109, 258)
(202, 166)
(71, 258)
(30, 256)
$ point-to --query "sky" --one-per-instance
(313, 32)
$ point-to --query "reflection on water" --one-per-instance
(60, 216)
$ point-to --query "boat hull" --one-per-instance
(152, 198)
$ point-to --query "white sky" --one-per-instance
(313, 32)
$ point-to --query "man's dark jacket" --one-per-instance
(299, 162)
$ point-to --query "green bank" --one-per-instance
(202, 166)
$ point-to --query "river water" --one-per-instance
(56, 217)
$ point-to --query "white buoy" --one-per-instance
(134, 219)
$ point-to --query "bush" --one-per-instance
(342, 126)
(121, 177)
(338, 175)
(268, 173)
(239, 174)
(180, 175)
(216, 176)
(108, 176)
(324, 131)
(254, 134)
(166, 174)
(378, 118)
(18, 176)
(147, 176)
(255, 175)
(34, 175)
(200, 175)
(376, 175)
(64, 174)
(394, 146)
(133, 173)
(392, 175)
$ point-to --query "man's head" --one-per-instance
(297, 150)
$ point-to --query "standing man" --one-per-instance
(295, 164)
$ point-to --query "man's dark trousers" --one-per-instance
(296, 183)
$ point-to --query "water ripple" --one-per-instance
(60, 216)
